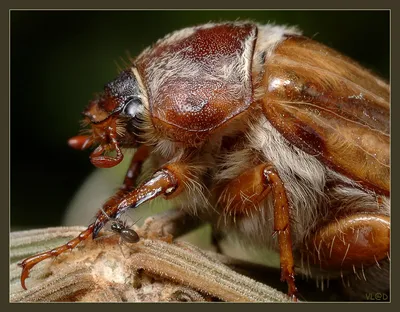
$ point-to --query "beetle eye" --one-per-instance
(133, 107)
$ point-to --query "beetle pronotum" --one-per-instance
(260, 130)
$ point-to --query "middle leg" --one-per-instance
(244, 193)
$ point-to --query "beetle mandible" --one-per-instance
(261, 130)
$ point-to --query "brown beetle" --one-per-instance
(262, 131)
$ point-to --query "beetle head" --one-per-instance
(113, 118)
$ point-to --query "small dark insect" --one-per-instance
(127, 235)
(121, 228)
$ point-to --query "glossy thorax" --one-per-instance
(194, 80)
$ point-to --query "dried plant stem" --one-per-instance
(190, 266)
(151, 270)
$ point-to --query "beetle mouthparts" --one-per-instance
(98, 159)
(80, 142)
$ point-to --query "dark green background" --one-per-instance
(59, 59)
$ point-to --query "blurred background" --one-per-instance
(59, 59)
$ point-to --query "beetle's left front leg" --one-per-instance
(248, 190)
(134, 170)
(168, 182)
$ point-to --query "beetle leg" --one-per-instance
(166, 181)
(135, 167)
(250, 188)
(352, 241)
(30, 262)
(131, 175)
(282, 227)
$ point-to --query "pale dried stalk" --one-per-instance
(100, 271)
(190, 266)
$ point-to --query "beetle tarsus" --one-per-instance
(30, 262)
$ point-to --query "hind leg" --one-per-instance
(243, 194)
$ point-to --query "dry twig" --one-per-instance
(105, 271)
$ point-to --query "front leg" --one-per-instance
(244, 193)
(167, 181)
(134, 170)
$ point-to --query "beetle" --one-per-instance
(259, 130)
